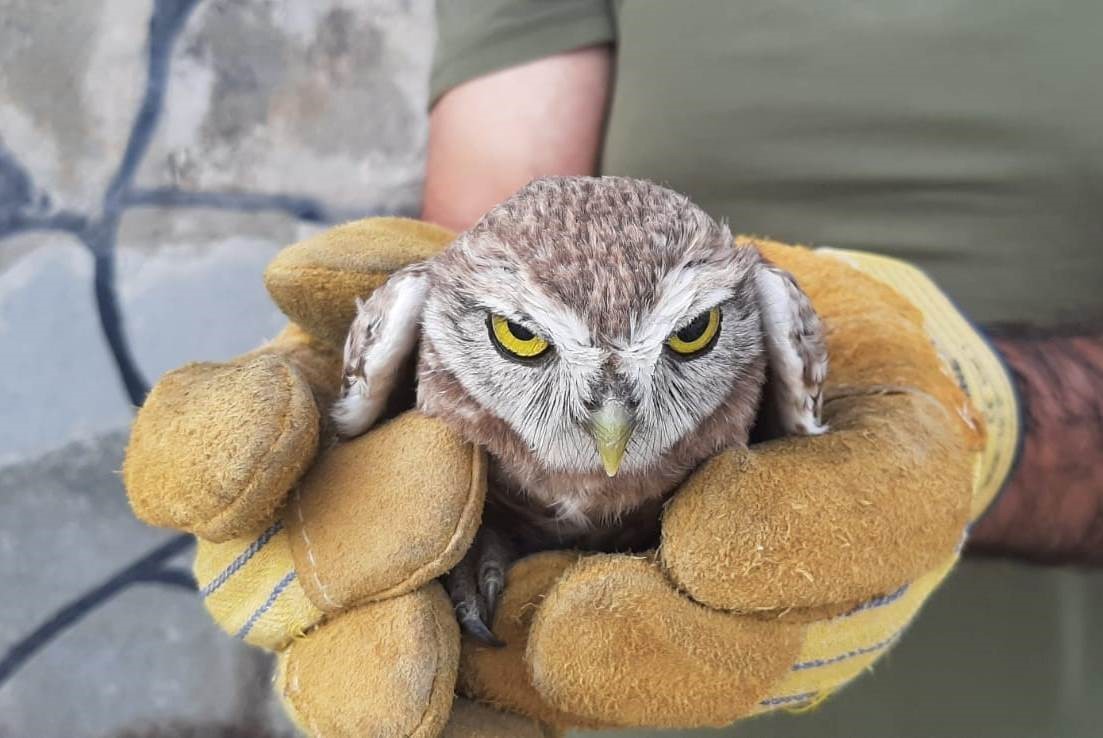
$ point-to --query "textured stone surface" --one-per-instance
(71, 80)
(258, 89)
(148, 655)
(198, 294)
(57, 377)
(278, 117)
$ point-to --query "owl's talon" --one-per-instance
(495, 555)
(492, 589)
(473, 625)
(476, 583)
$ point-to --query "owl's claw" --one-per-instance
(495, 555)
(472, 623)
(476, 583)
(491, 591)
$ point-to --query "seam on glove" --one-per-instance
(969, 357)
(290, 690)
(1020, 421)
(310, 552)
(334, 598)
(285, 285)
(843, 391)
(253, 578)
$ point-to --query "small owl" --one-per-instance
(600, 338)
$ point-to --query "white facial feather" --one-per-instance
(681, 297)
(605, 271)
(527, 305)
(545, 402)
(540, 401)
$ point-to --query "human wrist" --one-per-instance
(1052, 508)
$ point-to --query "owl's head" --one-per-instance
(594, 324)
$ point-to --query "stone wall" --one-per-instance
(154, 155)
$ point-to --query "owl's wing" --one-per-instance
(796, 349)
(381, 338)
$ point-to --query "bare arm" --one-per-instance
(490, 136)
(1052, 509)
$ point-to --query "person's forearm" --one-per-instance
(492, 135)
(1052, 508)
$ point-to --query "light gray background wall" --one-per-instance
(179, 145)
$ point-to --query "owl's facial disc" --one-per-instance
(613, 422)
(600, 333)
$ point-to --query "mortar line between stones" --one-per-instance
(100, 236)
(168, 19)
(147, 569)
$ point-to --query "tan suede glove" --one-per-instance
(783, 570)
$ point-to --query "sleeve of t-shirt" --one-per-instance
(476, 37)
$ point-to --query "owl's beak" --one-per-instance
(612, 425)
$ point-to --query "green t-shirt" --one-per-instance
(964, 136)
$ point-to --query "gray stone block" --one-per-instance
(150, 655)
(191, 283)
(58, 382)
(279, 117)
(324, 99)
(71, 79)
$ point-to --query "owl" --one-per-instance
(599, 338)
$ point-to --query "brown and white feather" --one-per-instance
(605, 269)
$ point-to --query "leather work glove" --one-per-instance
(783, 571)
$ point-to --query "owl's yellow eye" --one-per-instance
(514, 339)
(697, 335)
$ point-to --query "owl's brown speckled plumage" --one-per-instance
(605, 270)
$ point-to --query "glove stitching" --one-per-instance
(310, 551)
(291, 690)
(284, 284)
(845, 391)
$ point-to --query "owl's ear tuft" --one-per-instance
(381, 339)
(796, 351)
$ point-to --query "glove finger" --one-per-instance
(215, 448)
(500, 676)
(318, 363)
(384, 513)
(702, 668)
(876, 338)
(830, 520)
(316, 282)
(387, 668)
(827, 521)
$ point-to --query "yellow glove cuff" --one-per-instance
(968, 358)
(250, 588)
